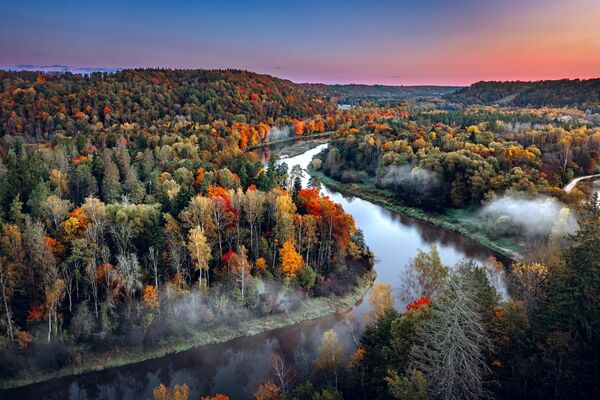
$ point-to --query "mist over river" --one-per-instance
(235, 368)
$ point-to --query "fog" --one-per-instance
(279, 132)
(419, 179)
(534, 217)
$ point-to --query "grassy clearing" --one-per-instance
(85, 360)
(460, 221)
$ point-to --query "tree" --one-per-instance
(54, 295)
(178, 392)
(150, 297)
(454, 342)
(291, 261)
(111, 185)
(94, 209)
(199, 252)
(330, 354)
(380, 299)
(284, 211)
(83, 323)
(55, 210)
(7, 286)
(129, 271)
(217, 396)
(282, 373)
(413, 387)
(571, 324)
(254, 211)
(528, 283)
(425, 275)
(267, 391)
(240, 269)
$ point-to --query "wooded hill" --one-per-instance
(557, 93)
(354, 93)
(33, 103)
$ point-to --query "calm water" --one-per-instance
(235, 368)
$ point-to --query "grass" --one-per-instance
(460, 221)
(88, 361)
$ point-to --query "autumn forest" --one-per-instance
(150, 212)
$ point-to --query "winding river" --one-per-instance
(236, 367)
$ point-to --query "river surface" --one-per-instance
(235, 368)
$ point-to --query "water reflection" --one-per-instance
(237, 367)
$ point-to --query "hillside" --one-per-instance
(32, 104)
(557, 93)
(355, 93)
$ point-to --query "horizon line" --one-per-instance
(82, 70)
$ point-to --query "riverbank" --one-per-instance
(455, 221)
(310, 309)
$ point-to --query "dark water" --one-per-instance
(236, 367)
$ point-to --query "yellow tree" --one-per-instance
(330, 354)
(528, 283)
(177, 393)
(380, 300)
(54, 294)
(291, 261)
(284, 212)
(199, 252)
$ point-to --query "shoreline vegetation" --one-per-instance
(453, 223)
(310, 309)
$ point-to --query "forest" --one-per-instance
(355, 94)
(123, 223)
(438, 159)
(135, 215)
(559, 93)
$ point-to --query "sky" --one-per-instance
(401, 42)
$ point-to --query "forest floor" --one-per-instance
(461, 221)
(84, 360)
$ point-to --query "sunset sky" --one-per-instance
(388, 42)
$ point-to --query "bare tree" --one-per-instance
(282, 373)
(7, 281)
(254, 208)
(454, 342)
(67, 274)
(153, 262)
(123, 235)
(129, 269)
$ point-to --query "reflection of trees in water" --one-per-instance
(234, 368)
(432, 234)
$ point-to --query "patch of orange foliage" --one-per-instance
(35, 313)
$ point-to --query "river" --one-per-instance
(236, 367)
